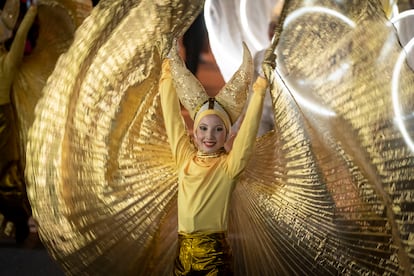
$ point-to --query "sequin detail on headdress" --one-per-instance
(232, 97)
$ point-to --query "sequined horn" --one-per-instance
(189, 90)
(233, 95)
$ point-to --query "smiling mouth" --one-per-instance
(209, 144)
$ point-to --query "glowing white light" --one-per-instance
(246, 26)
(402, 15)
(395, 100)
(220, 48)
(338, 73)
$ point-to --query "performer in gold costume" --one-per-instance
(14, 204)
(22, 78)
(328, 192)
(207, 174)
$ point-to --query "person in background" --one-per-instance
(14, 204)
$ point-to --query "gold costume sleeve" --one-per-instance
(244, 144)
(174, 122)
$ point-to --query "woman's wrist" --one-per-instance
(260, 84)
(166, 69)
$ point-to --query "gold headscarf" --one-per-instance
(212, 107)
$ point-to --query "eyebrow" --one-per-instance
(204, 124)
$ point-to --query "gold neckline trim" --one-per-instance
(203, 155)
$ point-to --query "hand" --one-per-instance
(269, 63)
(163, 45)
(173, 53)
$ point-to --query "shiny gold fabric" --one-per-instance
(98, 214)
(204, 253)
(328, 192)
(340, 194)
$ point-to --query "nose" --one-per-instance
(210, 134)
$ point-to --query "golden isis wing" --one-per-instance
(330, 190)
(101, 179)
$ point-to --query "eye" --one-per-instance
(220, 128)
(202, 128)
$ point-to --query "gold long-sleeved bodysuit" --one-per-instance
(205, 182)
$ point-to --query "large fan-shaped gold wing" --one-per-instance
(336, 194)
(99, 166)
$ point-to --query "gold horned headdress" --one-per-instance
(8, 19)
(229, 101)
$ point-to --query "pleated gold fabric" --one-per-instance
(22, 79)
(328, 192)
(101, 176)
(339, 199)
(57, 21)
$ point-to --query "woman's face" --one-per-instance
(210, 134)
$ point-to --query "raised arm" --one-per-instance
(244, 144)
(174, 122)
(11, 61)
(15, 55)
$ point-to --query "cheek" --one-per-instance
(222, 137)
